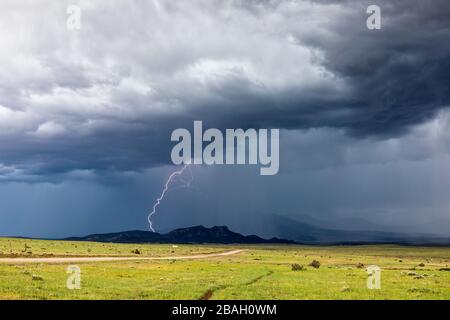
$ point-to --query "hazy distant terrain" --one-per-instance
(308, 233)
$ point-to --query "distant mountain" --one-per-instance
(305, 233)
(197, 234)
(280, 226)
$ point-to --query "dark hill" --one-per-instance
(197, 234)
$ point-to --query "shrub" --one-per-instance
(297, 267)
(315, 264)
(345, 289)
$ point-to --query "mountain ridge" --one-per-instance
(294, 232)
(196, 234)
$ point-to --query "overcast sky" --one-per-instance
(86, 115)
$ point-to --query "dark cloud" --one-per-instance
(107, 97)
(398, 74)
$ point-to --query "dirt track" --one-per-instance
(100, 259)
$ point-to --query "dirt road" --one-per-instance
(100, 259)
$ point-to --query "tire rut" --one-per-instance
(209, 293)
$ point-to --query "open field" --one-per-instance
(258, 272)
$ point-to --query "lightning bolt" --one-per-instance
(171, 178)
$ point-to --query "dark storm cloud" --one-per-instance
(399, 75)
(106, 97)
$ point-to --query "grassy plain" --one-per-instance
(259, 272)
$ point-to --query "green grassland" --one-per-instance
(259, 272)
